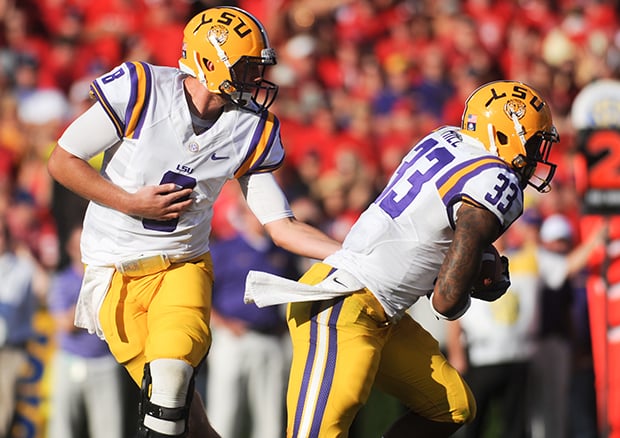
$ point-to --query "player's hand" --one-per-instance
(492, 289)
(162, 202)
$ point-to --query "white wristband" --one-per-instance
(460, 313)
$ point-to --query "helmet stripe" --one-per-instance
(258, 24)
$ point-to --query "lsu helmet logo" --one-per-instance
(219, 33)
(515, 107)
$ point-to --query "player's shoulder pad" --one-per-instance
(125, 93)
(265, 152)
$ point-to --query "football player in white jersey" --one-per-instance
(171, 138)
(453, 194)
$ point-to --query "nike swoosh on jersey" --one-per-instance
(337, 281)
(215, 157)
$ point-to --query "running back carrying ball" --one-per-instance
(493, 279)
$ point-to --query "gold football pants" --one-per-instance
(157, 316)
(344, 346)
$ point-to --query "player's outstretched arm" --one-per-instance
(270, 205)
(300, 238)
(476, 229)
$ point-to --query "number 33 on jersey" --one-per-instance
(449, 165)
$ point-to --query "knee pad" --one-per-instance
(166, 395)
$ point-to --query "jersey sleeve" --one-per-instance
(487, 183)
(89, 134)
(265, 197)
(124, 94)
(265, 152)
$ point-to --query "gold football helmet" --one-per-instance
(227, 50)
(513, 122)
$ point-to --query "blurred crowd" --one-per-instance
(360, 82)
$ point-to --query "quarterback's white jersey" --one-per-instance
(157, 144)
(399, 243)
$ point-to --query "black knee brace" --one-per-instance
(145, 407)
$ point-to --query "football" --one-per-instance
(491, 269)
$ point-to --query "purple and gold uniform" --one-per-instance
(156, 144)
(344, 346)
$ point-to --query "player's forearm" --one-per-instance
(476, 228)
(65, 321)
(450, 303)
(82, 179)
(302, 239)
(578, 258)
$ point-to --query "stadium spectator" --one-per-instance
(249, 357)
(493, 343)
(86, 387)
(18, 304)
(560, 260)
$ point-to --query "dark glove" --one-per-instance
(495, 289)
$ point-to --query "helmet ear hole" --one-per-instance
(208, 64)
(502, 138)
